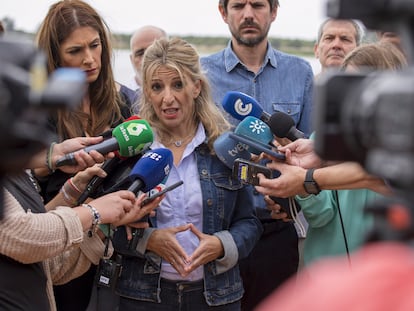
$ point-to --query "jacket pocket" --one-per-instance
(291, 108)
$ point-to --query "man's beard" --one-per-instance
(249, 42)
(252, 41)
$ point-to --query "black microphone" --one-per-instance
(108, 166)
(282, 125)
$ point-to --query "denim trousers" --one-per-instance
(177, 296)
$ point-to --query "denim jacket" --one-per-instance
(228, 213)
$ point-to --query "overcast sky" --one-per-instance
(296, 18)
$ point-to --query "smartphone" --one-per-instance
(166, 189)
(246, 171)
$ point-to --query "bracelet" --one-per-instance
(49, 164)
(70, 193)
(72, 184)
(71, 201)
(96, 219)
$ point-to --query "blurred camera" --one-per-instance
(27, 94)
(368, 117)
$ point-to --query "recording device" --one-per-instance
(246, 171)
(108, 272)
(256, 146)
(164, 190)
(368, 117)
(153, 167)
(128, 138)
(255, 129)
(228, 150)
(282, 125)
(257, 136)
(27, 95)
(258, 132)
(240, 106)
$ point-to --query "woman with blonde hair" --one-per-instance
(188, 259)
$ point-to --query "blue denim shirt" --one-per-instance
(228, 213)
(283, 83)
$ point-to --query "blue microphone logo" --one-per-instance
(242, 108)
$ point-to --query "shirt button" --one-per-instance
(209, 202)
(204, 172)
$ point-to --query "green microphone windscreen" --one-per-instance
(133, 136)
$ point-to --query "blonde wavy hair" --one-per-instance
(179, 55)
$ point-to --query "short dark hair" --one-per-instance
(273, 3)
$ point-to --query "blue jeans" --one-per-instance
(177, 296)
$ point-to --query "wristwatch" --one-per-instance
(310, 185)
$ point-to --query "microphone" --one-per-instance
(108, 166)
(151, 170)
(129, 138)
(282, 125)
(240, 105)
(228, 150)
(256, 137)
(254, 129)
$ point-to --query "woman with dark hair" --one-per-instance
(44, 245)
(73, 34)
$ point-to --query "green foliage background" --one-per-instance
(207, 45)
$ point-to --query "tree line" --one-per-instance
(210, 44)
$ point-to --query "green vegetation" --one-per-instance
(207, 45)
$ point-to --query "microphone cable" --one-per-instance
(342, 226)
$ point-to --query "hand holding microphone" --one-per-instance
(108, 166)
(149, 171)
(129, 138)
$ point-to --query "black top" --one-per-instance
(51, 186)
(23, 286)
(75, 294)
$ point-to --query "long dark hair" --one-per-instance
(62, 19)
